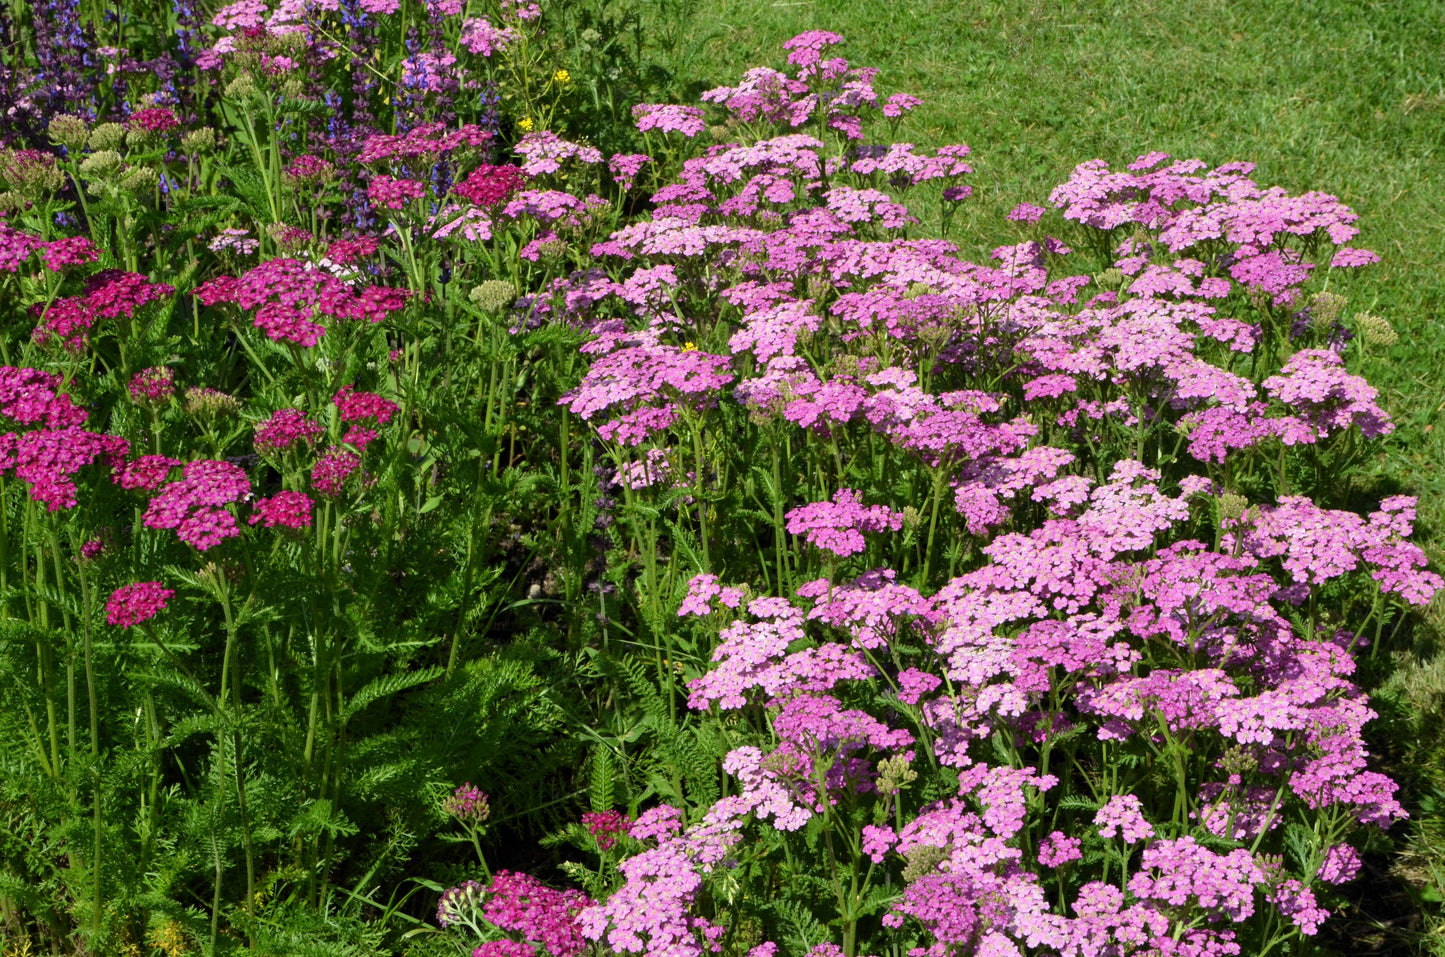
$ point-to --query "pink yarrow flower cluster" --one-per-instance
(838, 526)
(545, 152)
(47, 460)
(32, 397)
(667, 117)
(522, 905)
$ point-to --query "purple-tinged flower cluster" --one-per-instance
(668, 118)
(467, 803)
(545, 152)
(838, 526)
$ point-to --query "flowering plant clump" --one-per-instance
(467, 393)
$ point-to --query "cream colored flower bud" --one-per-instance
(107, 136)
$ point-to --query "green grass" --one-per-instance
(1332, 95)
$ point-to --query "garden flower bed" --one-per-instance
(386, 406)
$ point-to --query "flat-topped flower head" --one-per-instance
(545, 152)
(286, 509)
(332, 470)
(131, 605)
(30, 397)
(47, 460)
(604, 826)
(195, 504)
(290, 297)
(838, 526)
(805, 49)
(490, 186)
(667, 117)
(62, 254)
(284, 429)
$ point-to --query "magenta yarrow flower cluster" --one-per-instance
(489, 186)
(604, 826)
(47, 460)
(131, 605)
(32, 397)
(289, 299)
(195, 504)
(284, 429)
(520, 904)
(287, 509)
(110, 294)
(153, 387)
(669, 118)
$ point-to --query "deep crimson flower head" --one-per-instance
(113, 293)
(155, 120)
(489, 186)
(605, 826)
(108, 295)
(346, 251)
(330, 473)
(132, 604)
(148, 472)
(355, 406)
(289, 298)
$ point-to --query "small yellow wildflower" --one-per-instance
(171, 939)
(561, 77)
(689, 347)
(525, 124)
